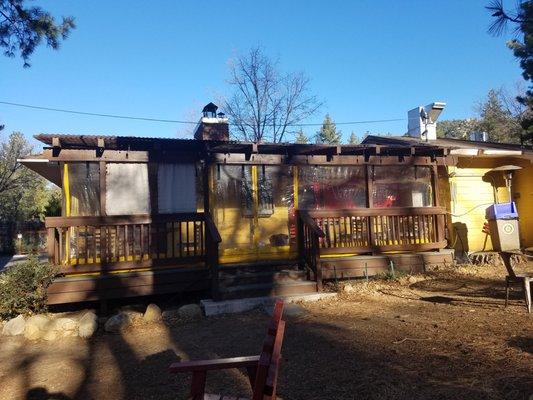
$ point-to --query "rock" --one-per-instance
(152, 313)
(348, 289)
(117, 323)
(50, 335)
(170, 314)
(87, 325)
(190, 311)
(14, 326)
(36, 327)
(134, 316)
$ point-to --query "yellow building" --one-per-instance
(467, 188)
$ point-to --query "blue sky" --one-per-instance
(165, 59)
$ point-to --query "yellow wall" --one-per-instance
(470, 194)
(523, 195)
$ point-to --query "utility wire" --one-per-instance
(173, 121)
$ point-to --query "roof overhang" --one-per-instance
(47, 169)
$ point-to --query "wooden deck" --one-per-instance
(126, 256)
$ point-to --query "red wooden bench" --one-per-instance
(262, 370)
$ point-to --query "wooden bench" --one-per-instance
(262, 370)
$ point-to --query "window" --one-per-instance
(331, 187)
(401, 186)
(81, 189)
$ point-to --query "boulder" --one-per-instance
(14, 326)
(36, 327)
(134, 316)
(117, 323)
(152, 313)
(65, 327)
(50, 335)
(348, 288)
(190, 311)
(87, 325)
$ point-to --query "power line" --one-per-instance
(173, 121)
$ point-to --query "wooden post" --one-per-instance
(52, 246)
(103, 187)
(300, 240)
(370, 204)
(318, 263)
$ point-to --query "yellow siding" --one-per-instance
(523, 194)
(469, 197)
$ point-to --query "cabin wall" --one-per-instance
(470, 194)
(523, 195)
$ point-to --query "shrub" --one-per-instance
(23, 287)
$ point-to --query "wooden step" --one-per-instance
(265, 289)
(227, 279)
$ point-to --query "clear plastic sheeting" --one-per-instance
(127, 189)
(81, 189)
(254, 210)
(401, 186)
(331, 187)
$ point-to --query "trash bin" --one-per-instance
(503, 224)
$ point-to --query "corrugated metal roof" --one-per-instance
(193, 145)
(443, 142)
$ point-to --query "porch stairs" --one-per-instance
(239, 281)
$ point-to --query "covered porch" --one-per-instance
(292, 214)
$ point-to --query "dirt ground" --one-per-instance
(445, 335)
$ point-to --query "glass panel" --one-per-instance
(331, 187)
(253, 211)
(84, 189)
(402, 186)
(276, 228)
(233, 206)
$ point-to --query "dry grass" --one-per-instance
(445, 335)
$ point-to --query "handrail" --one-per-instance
(311, 223)
(67, 222)
(211, 228)
(370, 212)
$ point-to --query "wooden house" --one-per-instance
(151, 215)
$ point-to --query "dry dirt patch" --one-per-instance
(445, 335)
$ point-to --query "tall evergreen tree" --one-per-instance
(328, 133)
(301, 137)
(522, 19)
(22, 28)
(354, 139)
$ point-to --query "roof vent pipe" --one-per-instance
(422, 121)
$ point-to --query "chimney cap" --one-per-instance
(211, 108)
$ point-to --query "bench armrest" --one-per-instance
(221, 363)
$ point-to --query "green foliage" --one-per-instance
(23, 287)
(301, 138)
(23, 28)
(328, 133)
(499, 114)
(354, 139)
(23, 193)
(522, 47)
(457, 128)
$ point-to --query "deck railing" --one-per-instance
(93, 244)
(369, 231)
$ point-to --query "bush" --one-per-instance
(23, 287)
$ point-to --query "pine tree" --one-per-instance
(354, 139)
(301, 138)
(328, 133)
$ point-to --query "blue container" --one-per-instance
(502, 211)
